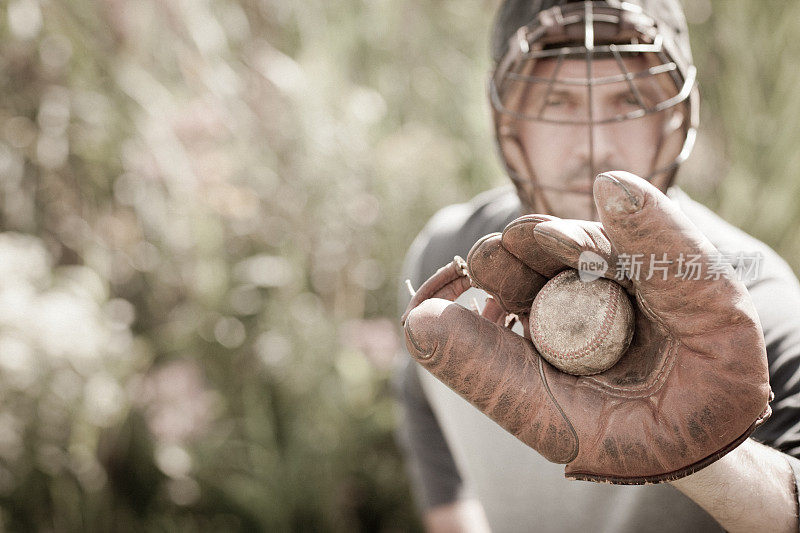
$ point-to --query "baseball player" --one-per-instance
(697, 427)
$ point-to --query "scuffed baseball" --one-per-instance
(581, 327)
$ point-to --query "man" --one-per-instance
(580, 89)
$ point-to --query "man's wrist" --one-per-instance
(751, 488)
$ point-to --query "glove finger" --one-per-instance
(494, 369)
(493, 312)
(643, 224)
(495, 270)
(519, 239)
(581, 245)
(449, 282)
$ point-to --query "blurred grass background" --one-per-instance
(204, 205)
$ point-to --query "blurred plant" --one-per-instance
(204, 199)
(204, 206)
(65, 350)
(747, 167)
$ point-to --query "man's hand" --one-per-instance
(691, 387)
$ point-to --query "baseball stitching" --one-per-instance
(592, 344)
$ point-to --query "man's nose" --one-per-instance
(599, 145)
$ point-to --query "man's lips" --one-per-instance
(579, 188)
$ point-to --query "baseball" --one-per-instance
(580, 327)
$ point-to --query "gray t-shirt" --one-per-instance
(453, 450)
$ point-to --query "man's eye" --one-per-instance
(555, 101)
(630, 99)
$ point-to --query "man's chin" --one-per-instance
(580, 214)
(576, 202)
(575, 205)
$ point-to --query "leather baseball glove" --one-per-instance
(691, 387)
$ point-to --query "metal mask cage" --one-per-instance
(590, 31)
(616, 51)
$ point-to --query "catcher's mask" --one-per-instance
(651, 64)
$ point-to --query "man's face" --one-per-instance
(569, 156)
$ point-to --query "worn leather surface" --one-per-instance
(693, 384)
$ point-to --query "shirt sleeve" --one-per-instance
(434, 476)
(777, 299)
(435, 479)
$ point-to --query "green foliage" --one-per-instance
(746, 166)
(204, 207)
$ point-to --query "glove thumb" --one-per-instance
(677, 273)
